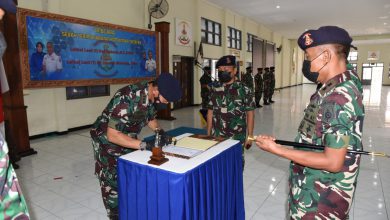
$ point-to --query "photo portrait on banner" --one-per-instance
(59, 50)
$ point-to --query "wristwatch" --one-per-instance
(142, 145)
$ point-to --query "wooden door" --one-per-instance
(183, 70)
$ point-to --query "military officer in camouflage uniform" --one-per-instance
(205, 82)
(267, 86)
(322, 183)
(258, 87)
(230, 110)
(115, 131)
(12, 203)
(272, 84)
(248, 78)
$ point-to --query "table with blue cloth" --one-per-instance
(207, 186)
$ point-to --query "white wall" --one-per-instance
(384, 57)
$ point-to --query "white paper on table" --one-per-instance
(181, 151)
(196, 143)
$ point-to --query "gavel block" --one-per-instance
(157, 157)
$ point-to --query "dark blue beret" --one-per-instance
(324, 35)
(8, 6)
(169, 87)
(228, 60)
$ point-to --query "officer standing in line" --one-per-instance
(205, 82)
(231, 107)
(205, 86)
(115, 131)
(267, 86)
(258, 87)
(248, 79)
(272, 84)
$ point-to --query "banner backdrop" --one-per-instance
(63, 51)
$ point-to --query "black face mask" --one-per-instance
(311, 76)
(158, 105)
(224, 76)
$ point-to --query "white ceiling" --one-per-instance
(358, 17)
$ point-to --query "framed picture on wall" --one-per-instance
(59, 51)
(183, 32)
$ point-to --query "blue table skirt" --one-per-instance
(213, 190)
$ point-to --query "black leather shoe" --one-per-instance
(266, 103)
(271, 101)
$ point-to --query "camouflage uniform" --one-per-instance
(128, 112)
(247, 80)
(12, 203)
(229, 104)
(205, 82)
(272, 85)
(267, 86)
(334, 118)
(258, 88)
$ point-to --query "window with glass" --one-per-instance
(80, 92)
(353, 56)
(210, 32)
(211, 63)
(249, 42)
(234, 38)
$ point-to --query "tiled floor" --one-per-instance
(59, 183)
